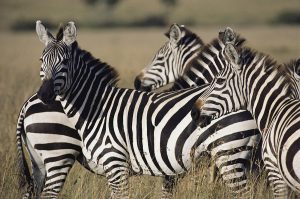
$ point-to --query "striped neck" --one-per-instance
(265, 87)
(90, 78)
(189, 48)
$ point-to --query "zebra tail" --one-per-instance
(23, 170)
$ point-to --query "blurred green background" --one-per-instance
(19, 14)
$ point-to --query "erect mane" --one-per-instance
(216, 43)
(189, 35)
(239, 41)
(291, 67)
(187, 38)
(248, 55)
(60, 33)
(107, 71)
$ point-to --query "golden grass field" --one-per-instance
(128, 50)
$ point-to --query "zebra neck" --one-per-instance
(203, 68)
(90, 82)
(265, 93)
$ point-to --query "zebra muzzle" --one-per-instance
(200, 119)
(139, 86)
(46, 92)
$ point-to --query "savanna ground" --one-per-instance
(128, 50)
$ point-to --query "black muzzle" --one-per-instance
(199, 119)
(46, 92)
(138, 85)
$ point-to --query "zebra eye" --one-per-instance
(220, 80)
(41, 59)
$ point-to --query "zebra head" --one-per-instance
(224, 95)
(56, 61)
(170, 61)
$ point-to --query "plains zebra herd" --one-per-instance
(80, 114)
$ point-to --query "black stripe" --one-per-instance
(58, 158)
(57, 146)
(53, 128)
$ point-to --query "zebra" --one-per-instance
(255, 82)
(186, 60)
(38, 124)
(53, 144)
(123, 131)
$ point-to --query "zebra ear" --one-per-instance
(70, 33)
(227, 36)
(232, 55)
(43, 34)
(174, 33)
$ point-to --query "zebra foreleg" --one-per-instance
(117, 176)
(275, 179)
(169, 182)
(277, 184)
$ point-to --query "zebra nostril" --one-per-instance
(137, 83)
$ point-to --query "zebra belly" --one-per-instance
(155, 171)
(173, 157)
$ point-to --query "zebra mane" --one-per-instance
(189, 36)
(284, 71)
(291, 67)
(247, 55)
(216, 43)
(239, 41)
(60, 33)
(206, 48)
(107, 71)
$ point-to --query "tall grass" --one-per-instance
(82, 184)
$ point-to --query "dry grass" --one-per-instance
(129, 50)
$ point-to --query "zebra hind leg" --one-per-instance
(56, 176)
(278, 185)
(38, 173)
(169, 182)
